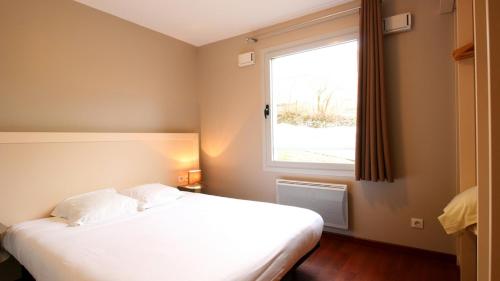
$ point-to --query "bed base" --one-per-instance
(290, 275)
(25, 275)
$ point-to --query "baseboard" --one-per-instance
(448, 258)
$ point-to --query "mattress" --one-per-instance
(198, 237)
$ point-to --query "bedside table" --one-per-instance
(196, 188)
(3, 254)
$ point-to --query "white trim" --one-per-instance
(311, 40)
(60, 137)
(348, 174)
(311, 22)
(312, 185)
(340, 170)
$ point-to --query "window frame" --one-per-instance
(331, 169)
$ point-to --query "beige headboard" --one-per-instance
(37, 170)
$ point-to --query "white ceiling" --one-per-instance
(200, 22)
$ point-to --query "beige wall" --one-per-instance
(420, 84)
(67, 67)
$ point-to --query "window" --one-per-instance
(311, 93)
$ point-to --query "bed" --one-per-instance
(198, 237)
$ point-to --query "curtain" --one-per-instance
(372, 145)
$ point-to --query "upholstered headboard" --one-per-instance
(37, 170)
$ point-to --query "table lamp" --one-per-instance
(194, 177)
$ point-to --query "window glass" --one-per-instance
(313, 96)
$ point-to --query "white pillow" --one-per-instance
(93, 207)
(152, 195)
(460, 212)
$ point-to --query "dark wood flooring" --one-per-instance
(341, 259)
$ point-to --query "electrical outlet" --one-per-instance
(417, 223)
(181, 179)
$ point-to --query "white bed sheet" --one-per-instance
(197, 238)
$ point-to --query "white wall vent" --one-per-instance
(397, 23)
(327, 199)
(246, 59)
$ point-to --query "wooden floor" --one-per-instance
(341, 258)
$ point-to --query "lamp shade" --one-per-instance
(194, 176)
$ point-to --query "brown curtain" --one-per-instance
(372, 146)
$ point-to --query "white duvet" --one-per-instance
(197, 238)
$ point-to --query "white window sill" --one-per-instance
(311, 171)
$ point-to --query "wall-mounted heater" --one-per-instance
(397, 23)
(327, 199)
(246, 59)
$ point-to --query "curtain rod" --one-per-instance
(256, 38)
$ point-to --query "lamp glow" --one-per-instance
(194, 177)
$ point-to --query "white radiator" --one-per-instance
(328, 200)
